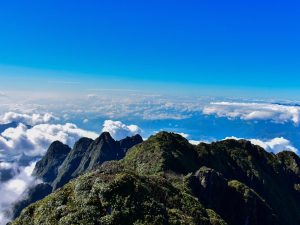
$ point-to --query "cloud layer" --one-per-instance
(14, 189)
(32, 119)
(254, 111)
(274, 145)
(34, 141)
(119, 130)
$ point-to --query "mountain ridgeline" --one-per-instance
(164, 180)
(61, 163)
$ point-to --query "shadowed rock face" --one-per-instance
(86, 154)
(228, 197)
(60, 164)
(71, 163)
(103, 149)
(291, 161)
(166, 180)
(47, 168)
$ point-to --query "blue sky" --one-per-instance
(248, 46)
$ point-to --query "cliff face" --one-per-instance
(166, 180)
(47, 168)
(61, 163)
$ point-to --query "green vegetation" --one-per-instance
(121, 197)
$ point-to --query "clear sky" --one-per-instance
(228, 44)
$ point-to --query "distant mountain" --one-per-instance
(166, 180)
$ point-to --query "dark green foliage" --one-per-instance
(163, 152)
(261, 171)
(291, 162)
(109, 196)
(226, 198)
(34, 194)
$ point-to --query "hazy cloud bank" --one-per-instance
(254, 111)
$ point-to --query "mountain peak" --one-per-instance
(47, 168)
(163, 151)
(106, 136)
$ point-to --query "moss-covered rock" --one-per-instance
(111, 196)
(163, 152)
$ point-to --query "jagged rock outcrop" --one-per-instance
(47, 168)
(61, 164)
(71, 163)
(291, 161)
(104, 148)
(93, 153)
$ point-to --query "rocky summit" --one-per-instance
(166, 180)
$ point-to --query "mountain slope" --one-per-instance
(166, 180)
(109, 195)
(162, 152)
(261, 171)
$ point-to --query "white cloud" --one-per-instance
(14, 189)
(274, 145)
(254, 111)
(119, 130)
(35, 141)
(7, 166)
(32, 119)
(195, 142)
(183, 134)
